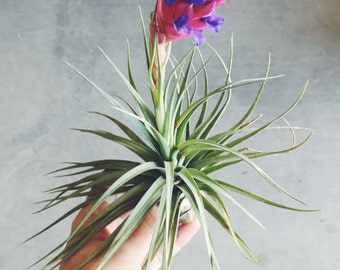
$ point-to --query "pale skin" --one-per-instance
(134, 251)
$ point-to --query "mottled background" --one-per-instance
(41, 99)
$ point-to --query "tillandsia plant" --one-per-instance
(174, 139)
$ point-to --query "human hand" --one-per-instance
(133, 253)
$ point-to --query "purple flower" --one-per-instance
(177, 19)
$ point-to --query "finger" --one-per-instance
(94, 242)
(186, 232)
(89, 204)
(136, 247)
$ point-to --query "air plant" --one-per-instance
(174, 141)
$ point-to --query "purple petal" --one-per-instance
(214, 22)
(170, 2)
(199, 38)
(181, 22)
(195, 2)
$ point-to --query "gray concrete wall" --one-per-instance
(41, 98)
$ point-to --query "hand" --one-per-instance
(133, 253)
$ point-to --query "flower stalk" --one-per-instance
(160, 53)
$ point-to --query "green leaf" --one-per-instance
(185, 117)
(131, 134)
(251, 134)
(209, 123)
(141, 150)
(251, 195)
(224, 223)
(198, 145)
(216, 187)
(145, 40)
(122, 205)
(147, 166)
(144, 109)
(150, 198)
(159, 230)
(192, 193)
(214, 165)
(175, 101)
(116, 105)
(131, 79)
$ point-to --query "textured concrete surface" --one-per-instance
(41, 98)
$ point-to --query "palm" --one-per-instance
(133, 252)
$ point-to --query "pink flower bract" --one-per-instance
(177, 19)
